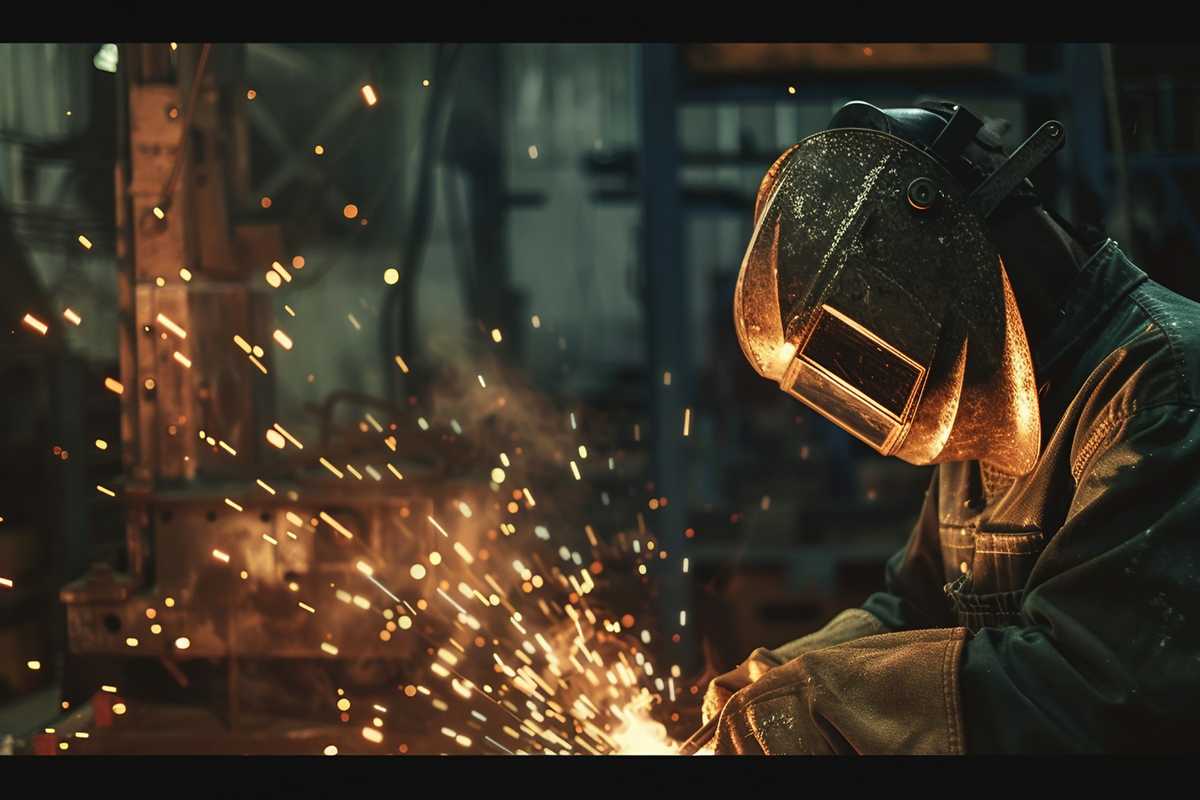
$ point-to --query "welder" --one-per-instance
(905, 280)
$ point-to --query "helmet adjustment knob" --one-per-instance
(922, 194)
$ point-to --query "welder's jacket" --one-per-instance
(1058, 611)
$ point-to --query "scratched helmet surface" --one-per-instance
(871, 292)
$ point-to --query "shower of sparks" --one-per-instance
(36, 324)
(71, 317)
(171, 325)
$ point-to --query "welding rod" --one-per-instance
(698, 739)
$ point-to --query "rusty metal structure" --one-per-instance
(192, 397)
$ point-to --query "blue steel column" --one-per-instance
(667, 326)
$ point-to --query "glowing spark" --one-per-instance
(105, 490)
(281, 272)
(395, 472)
(417, 571)
(575, 471)
(337, 472)
(36, 324)
(528, 497)
(6, 583)
(391, 276)
(83, 240)
(435, 524)
(119, 709)
(220, 556)
(497, 475)
(242, 343)
(265, 486)
(354, 321)
(496, 337)
(282, 339)
(400, 363)
(276, 438)
(72, 317)
(536, 321)
(481, 382)
(350, 468)
(233, 505)
(288, 436)
(463, 553)
(374, 473)
(364, 568)
(270, 539)
(667, 378)
(262, 368)
(682, 618)
(289, 310)
(685, 564)
(185, 274)
(687, 421)
(182, 359)
(227, 448)
(328, 648)
(582, 451)
(368, 93)
(330, 750)
(307, 608)
(337, 526)
(34, 665)
(533, 151)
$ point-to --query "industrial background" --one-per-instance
(565, 221)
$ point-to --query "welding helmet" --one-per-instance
(872, 292)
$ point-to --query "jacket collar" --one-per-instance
(1101, 283)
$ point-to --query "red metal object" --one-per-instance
(45, 744)
(102, 715)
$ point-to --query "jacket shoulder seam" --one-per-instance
(1100, 436)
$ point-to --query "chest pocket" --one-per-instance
(986, 572)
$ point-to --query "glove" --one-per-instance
(850, 624)
(893, 693)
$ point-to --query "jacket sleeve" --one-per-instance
(914, 577)
(1110, 655)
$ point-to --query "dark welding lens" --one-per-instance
(862, 361)
(855, 379)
